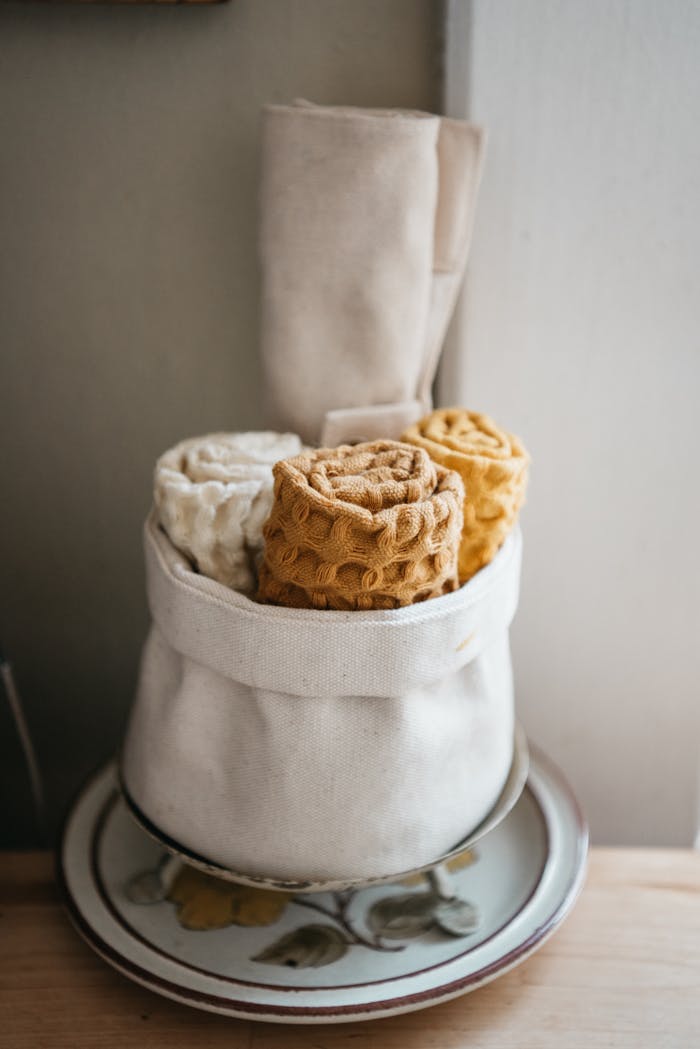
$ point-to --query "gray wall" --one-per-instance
(583, 291)
(128, 304)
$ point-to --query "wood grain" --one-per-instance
(622, 973)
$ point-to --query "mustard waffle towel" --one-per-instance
(213, 494)
(494, 467)
(372, 526)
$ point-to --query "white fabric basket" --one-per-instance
(301, 744)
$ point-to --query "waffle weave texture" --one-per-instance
(494, 467)
(374, 526)
(213, 494)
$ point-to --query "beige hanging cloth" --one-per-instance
(366, 217)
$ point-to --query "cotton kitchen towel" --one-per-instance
(213, 494)
(374, 526)
(494, 467)
(365, 223)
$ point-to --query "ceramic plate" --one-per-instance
(331, 957)
(512, 789)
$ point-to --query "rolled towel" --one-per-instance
(213, 494)
(372, 526)
(494, 467)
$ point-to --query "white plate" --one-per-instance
(334, 956)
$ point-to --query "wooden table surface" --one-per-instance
(623, 972)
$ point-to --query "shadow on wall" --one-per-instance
(129, 317)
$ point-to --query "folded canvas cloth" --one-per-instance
(494, 467)
(366, 527)
(366, 218)
(213, 494)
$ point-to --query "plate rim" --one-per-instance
(340, 1013)
(99, 826)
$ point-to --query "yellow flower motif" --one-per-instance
(457, 863)
(462, 861)
(205, 902)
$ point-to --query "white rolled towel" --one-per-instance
(213, 494)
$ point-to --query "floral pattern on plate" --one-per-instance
(529, 871)
(204, 902)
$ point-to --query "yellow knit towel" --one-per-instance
(372, 526)
(493, 465)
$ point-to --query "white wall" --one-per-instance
(579, 329)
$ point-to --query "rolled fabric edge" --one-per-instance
(338, 554)
(494, 484)
(213, 510)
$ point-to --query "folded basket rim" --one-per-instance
(320, 652)
(178, 566)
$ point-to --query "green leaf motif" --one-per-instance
(311, 946)
(404, 916)
(413, 913)
(456, 917)
(146, 887)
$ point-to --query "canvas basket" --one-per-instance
(304, 744)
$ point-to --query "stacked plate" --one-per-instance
(248, 946)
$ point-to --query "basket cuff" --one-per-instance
(327, 653)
